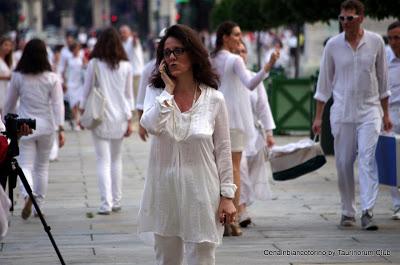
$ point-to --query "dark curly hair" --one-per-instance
(198, 54)
(34, 58)
(109, 48)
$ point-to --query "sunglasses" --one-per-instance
(394, 37)
(176, 52)
(347, 18)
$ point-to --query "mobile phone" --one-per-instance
(167, 70)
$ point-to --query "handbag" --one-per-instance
(296, 159)
(95, 104)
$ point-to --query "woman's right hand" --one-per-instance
(169, 83)
(272, 60)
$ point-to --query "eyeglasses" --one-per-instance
(394, 37)
(176, 52)
(347, 18)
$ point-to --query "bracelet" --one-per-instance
(60, 129)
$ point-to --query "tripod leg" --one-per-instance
(28, 189)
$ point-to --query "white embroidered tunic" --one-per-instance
(190, 166)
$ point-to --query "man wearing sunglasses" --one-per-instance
(354, 70)
(393, 57)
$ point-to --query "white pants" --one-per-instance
(351, 139)
(395, 117)
(170, 251)
(109, 171)
(34, 162)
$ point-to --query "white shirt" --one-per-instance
(234, 79)
(116, 86)
(357, 79)
(190, 166)
(394, 77)
(135, 55)
(144, 81)
(41, 98)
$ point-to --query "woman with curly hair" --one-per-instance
(189, 187)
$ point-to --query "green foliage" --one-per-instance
(382, 9)
(260, 14)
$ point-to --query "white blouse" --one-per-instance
(116, 86)
(41, 98)
(234, 79)
(190, 166)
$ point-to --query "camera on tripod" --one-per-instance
(10, 170)
(13, 125)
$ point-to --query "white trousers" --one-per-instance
(34, 162)
(170, 251)
(351, 141)
(109, 171)
(395, 116)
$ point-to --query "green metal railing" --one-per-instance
(291, 102)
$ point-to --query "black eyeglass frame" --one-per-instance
(176, 52)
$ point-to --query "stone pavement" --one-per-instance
(302, 220)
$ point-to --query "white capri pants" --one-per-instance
(34, 162)
(170, 250)
(351, 139)
(109, 171)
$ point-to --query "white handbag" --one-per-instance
(95, 104)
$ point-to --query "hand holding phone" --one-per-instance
(166, 77)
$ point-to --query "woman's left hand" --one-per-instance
(129, 130)
(226, 211)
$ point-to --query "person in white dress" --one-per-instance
(6, 63)
(134, 50)
(40, 97)
(236, 83)
(114, 77)
(73, 76)
(189, 187)
(254, 172)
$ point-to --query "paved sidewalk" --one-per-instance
(304, 218)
